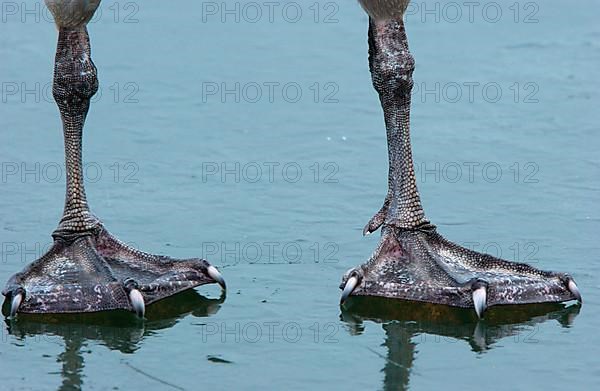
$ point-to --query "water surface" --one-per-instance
(275, 188)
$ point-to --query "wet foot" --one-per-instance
(413, 261)
(87, 269)
(421, 265)
(97, 272)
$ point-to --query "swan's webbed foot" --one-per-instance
(87, 269)
(421, 265)
(413, 261)
(97, 272)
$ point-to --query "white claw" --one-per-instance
(137, 302)
(349, 288)
(575, 291)
(479, 300)
(15, 304)
(216, 275)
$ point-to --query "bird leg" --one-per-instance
(413, 261)
(392, 66)
(75, 83)
(87, 269)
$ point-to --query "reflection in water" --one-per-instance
(407, 324)
(117, 330)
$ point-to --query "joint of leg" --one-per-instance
(392, 73)
(70, 230)
(130, 284)
(476, 283)
(68, 236)
(76, 88)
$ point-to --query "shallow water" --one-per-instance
(273, 184)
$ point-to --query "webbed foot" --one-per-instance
(97, 272)
(413, 261)
(87, 269)
(423, 266)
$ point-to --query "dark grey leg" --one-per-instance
(75, 83)
(87, 269)
(413, 261)
(392, 67)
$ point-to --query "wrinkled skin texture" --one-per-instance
(96, 272)
(421, 265)
(87, 269)
(413, 261)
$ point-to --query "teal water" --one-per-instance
(274, 183)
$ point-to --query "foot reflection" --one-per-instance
(407, 324)
(121, 331)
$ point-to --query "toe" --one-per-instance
(480, 298)
(137, 302)
(216, 275)
(354, 279)
(17, 299)
(574, 289)
(374, 224)
(136, 299)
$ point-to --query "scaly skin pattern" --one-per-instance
(95, 272)
(413, 261)
(392, 67)
(87, 269)
(421, 265)
(75, 83)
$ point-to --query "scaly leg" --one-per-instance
(87, 269)
(413, 261)
(392, 67)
